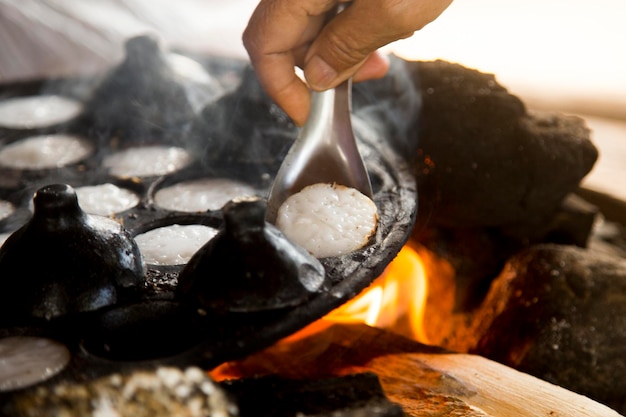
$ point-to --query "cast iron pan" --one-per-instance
(155, 327)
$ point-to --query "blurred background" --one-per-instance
(561, 55)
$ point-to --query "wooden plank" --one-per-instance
(498, 390)
(424, 380)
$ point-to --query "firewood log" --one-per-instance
(424, 380)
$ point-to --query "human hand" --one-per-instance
(282, 34)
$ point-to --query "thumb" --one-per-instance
(346, 42)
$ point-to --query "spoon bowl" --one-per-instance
(325, 151)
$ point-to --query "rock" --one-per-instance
(485, 161)
(559, 313)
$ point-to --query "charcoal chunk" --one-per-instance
(559, 313)
(486, 161)
(358, 395)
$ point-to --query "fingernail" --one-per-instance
(318, 73)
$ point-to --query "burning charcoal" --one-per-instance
(359, 395)
(143, 98)
(485, 161)
(163, 392)
(250, 265)
(65, 261)
(558, 312)
(477, 255)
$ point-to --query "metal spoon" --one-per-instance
(325, 151)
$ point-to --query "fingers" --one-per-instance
(280, 26)
(277, 37)
(276, 75)
(284, 33)
(345, 44)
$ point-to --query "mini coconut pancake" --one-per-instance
(32, 112)
(202, 194)
(26, 360)
(147, 161)
(328, 219)
(6, 209)
(173, 245)
(105, 199)
(45, 151)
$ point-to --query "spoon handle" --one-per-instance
(325, 151)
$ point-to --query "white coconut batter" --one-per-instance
(105, 199)
(173, 245)
(32, 112)
(45, 151)
(201, 195)
(147, 161)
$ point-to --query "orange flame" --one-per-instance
(396, 300)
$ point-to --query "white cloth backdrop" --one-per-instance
(40, 38)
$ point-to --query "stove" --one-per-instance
(236, 133)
